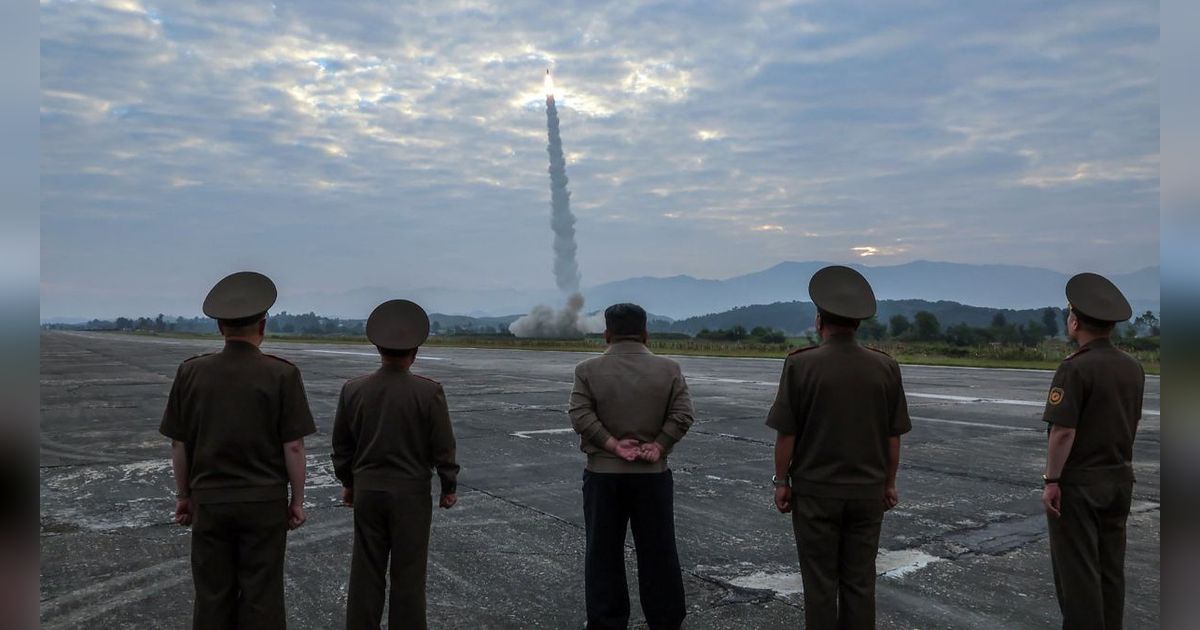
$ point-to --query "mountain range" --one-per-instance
(678, 297)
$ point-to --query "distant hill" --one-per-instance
(994, 286)
(797, 317)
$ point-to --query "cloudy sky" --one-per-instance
(337, 145)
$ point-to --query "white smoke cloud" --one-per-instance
(570, 321)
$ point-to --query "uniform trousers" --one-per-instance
(1087, 549)
(237, 565)
(643, 502)
(837, 540)
(391, 532)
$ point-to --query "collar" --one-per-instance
(627, 346)
(236, 346)
(1099, 342)
(840, 340)
(393, 369)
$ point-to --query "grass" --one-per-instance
(1045, 356)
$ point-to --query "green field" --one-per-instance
(1045, 356)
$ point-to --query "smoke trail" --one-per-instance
(571, 321)
(562, 221)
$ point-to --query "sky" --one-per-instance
(339, 145)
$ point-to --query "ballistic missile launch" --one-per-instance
(571, 321)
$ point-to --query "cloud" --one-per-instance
(865, 251)
(340, 145)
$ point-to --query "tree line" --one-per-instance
(924, 326)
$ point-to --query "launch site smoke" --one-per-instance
(570, 321)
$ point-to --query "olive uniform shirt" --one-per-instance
(842, 401)
(392, 429)
(629, 392)
(234, 410)
(1098, 392)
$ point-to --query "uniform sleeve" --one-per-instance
(1064, 403)
(782, 416)
(296, 420)
(174, 425)
(900, 422)
(679, 413)
(444, 447)
(344, 444)
(582, 410)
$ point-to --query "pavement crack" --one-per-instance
(735, 595)
(735, 438)
(522, 506)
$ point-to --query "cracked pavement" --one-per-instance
(965, 548)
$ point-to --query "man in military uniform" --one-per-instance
(839, 413)
(630, 407)
(237, 420)
(392, 430)
(1093, 409)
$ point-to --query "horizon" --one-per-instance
(483, 313)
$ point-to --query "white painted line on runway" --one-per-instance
(529, 434)
(977, 399)
(735, 381)
(420, 357)
(948, 397)
(996, 401)
(992, 369)
(982, 425)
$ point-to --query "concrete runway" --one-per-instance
(966, 547)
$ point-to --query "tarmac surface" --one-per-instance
(966, 547)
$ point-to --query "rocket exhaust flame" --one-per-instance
(543, 321)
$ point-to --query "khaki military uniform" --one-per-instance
(843, 402)
(1098, 392)
(629, 392)
(234, 410)
(392, 430)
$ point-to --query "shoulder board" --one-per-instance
(1076, 353)
(804, 349)
(279, 359)
(205, 354)
(879, 351)
(427, 379)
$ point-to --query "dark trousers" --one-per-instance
(1087, 549)
(613, 502)
(387, 524)
(837, 540)
(237, 565)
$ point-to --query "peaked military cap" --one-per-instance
(244, 296)
(843, 292)
(398, 325)
(1096, 297)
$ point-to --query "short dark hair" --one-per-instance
(838, 320)
(243, 326)
(625, 320)
(1093, 325)
(396, 354)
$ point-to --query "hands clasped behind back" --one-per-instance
(631, 450)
